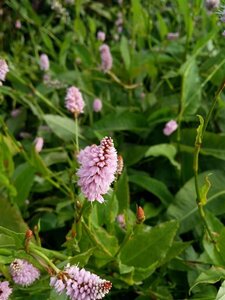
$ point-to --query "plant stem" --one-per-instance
(35, 251)
(76, 132)
(198, 145)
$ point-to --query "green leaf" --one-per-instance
(119, 122)
(210, 276)
(83, 258)
(6, 241)
(221, 292)
(148, 245)
(153, 186)
(214, 144)
(23, 179)
(167, 150)
(185, 209)
(124, 49)
(63, 127)
(15, 221)
(122, 192)
(191, 88)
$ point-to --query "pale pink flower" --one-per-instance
(5, 290)
(173, 36)
(15, 112)
(121, 220)
(4, 69)
(80, 284)
(97, 170)
(120, 2)
(97, 105)
(223, 33)
(170, 127)
(74, 101)
(18, 24)
(212, 4)
(142, 95)
(44, 62)
(106, 58)
(39, 143)
(23, 273)
(101, 36)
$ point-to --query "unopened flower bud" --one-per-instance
(120, 164)
(140, 215)
(39, 143)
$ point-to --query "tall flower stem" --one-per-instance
(76, 132)
(198, 144)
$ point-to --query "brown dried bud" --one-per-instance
(29, 234)
(140, 215)
(120, 165)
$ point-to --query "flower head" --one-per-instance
(80, 284)
(44, 62)
(4, 69)
(212, 4)
(39, 143)
(18, 24)
(97, 170)
(97, 105)
(171, 36)
(23, 273)
(5, 290)
(106, 58)
(101, 36)
(121, 220)
(74, 101)
(170, 127)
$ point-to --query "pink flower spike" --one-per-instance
(23, 273)
(212, 4)
(170, 127)
(18, 24)
(101, 36)
(106, 58)
(171, 36)
(5, 290)
(39, 143)
(44, 62)
(97, 105)
(80, 284)
(74, 101)
(97, 170)
(4, 69)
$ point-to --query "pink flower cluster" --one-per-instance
(23, 273)
(97, 105)
(212, 4)
(5, 290)
(170, 127)
(80, 284)
(44, 62)
(74, 101)
(97, 170)
(4, 69)
(106, 58)
(101, 36)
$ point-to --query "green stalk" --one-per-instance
(198, 145)
(33, 250)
